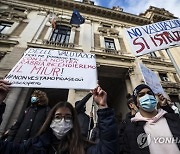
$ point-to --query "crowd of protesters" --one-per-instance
(66, 130)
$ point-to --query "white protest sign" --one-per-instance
(46, 68)
(153, 37)
(151, 79)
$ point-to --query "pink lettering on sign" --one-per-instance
(46, 71)
(157, 40)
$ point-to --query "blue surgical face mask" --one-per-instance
(148, 102)
(34, 99)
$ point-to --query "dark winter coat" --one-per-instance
(129, 136)
(95, 134)
(2, 109)
(84, 120)
(43, 143)
(28, 124)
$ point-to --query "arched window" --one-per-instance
(61, 34)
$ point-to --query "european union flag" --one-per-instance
(76, 18)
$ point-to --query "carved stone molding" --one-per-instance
(88, 9)
(12, 14)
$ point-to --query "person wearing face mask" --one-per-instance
(31, 120)
(149, 124)
(132, 107)
(60, 133)
(122, 125)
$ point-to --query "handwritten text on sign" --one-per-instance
(54, 69)
(151, 79)
(153, 37)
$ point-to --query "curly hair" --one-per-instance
(42, 96)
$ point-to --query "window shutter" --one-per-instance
(19, 29)
(122, 45)
(96, 40)
(43, 33)
(76, 37)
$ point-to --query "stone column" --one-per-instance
(133, 77)
(129, 86)
(71, 39)
(85, 36)
(42, 25)
(71, 96)
(10, 104)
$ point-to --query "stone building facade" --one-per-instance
(25, 24)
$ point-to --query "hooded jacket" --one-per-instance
(43, 144)
(129, 144)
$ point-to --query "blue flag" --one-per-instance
(76, 18)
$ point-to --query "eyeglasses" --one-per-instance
(65, 117)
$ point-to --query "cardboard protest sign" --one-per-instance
(151, 79)
(153, 37)
(46, 68)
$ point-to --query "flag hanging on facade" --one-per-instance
(52, 20)
(76, 18)
(53, 23)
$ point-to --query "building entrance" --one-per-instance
(112, 80)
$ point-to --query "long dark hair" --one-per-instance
(74, 141)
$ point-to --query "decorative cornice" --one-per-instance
(122, 57)
(54, 47)
(158, 18)
(157, 61)
(157, 14)
(171, 88)
(4, 39)
(12, 14)
(170, 85)
(87, 9)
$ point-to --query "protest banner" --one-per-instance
(46, 68)
(153, 37)
(151, 79)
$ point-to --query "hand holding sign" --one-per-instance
(45, 68)
(4, 89)
(100, 97)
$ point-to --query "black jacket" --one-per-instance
(43, 144)
(2, 109)
(28, 124)
(128, 138)
(83, 118)
(95, 134)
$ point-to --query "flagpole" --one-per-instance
(173, 61)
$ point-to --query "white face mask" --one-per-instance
(60, 127)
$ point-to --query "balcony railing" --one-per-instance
(111, 51)
(65, 45)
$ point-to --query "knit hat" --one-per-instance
(138, 89)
